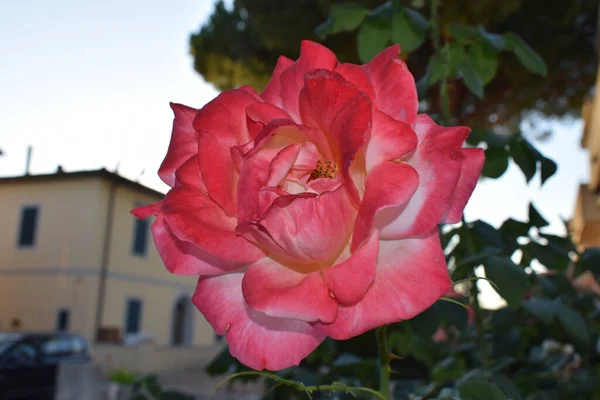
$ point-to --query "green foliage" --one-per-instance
(480, 390)
(511, 279)
(342, 17)
(149, 388)
(541, 345)
(122, 376)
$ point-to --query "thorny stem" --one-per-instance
(384, 363)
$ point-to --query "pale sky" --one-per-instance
(88, 84)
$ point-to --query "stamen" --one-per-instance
(324, 169)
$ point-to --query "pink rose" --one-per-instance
(311, 209)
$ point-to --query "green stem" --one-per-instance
(475, 302)
(384, 362)
(435, 27)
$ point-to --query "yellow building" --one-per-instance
(74, 258)
(585, 225)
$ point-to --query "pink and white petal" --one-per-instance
(280, 133)
(311, 227)
(395, 89)
(184, 258)
(350, 279)
(312, 56)
(382, 59)
(304, 228)
(390, 140)
(388, 189)
(280, 292)
(218, 170)
(225, 116)
(411, 275)
(253, 177)
(255, 339)
(180, 257)
(266, 197)
(272, 92)
(356, 75)
(193, 217)
(473, 159)
(184, 143)
(343, 113)
(189, 174)
(438, 161)
(282, 163)
(264, 113)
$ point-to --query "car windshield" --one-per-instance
(7, 340)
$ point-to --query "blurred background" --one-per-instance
(85, 122)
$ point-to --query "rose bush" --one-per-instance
(311, 209)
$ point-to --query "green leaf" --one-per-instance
(480, 390)
(494, 40)
(525, 54)
(549, 168)
(342, 17)
(484, 59)
(448, 369)
(507, 386)
(522, 154)
(535, 218)
(496, 162)
(418, 20)
(541, 308)
(512, 280)
(514, 229)
(471, 78)
(374, 35)
(405, 32)
(462, 32)
(547, 256)
(573, 323)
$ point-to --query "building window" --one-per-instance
(29, 219)
(62, 320)
(140, 237)
(133, 317)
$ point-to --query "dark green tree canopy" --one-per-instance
(241, 45)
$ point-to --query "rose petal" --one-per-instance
(411, 276)
(264, 113)
(253, 177)
(279, 292)
(184, 143)
(189, 174)
(470, 171)
(350, 280)
(256, 340)
(389, 188)
(312, 56)
(342, 113)
(183, 258)
(305, 228)
(395, 89)
(272, 92)
(221, 124)
(390, 139)
(438, 161)
(356, 75)
(195, 218)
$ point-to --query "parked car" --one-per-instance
(29, 362)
